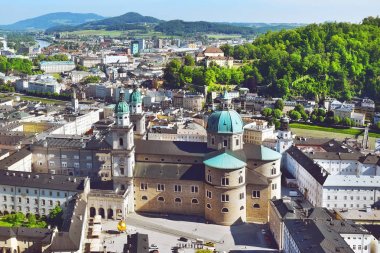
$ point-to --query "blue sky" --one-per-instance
(301, 11)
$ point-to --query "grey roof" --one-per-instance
(171, 148)
(374, 230)
(330, 145)
(41, 235)
(346, 227)
(369, 159)
(62, 142)
(334, 156)
(42, 181)
(308, 164)
(315, 237)
(14, 158)
(169, 171)
(259, 152)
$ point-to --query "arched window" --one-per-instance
(256, 206)
(178, 200)
(161, 199)
(242, 208)
(121, 142)
(144, 198)
(208, 206)
(194, 201)
(224, 210)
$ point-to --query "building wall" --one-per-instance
(235, 190)
(152, 204)
(257, 208)
(32, 200)
(349, 197)
(339, 167)
(360, 243)
(276, 225)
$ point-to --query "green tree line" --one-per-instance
(315, 61)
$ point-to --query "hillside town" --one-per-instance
(100, 153)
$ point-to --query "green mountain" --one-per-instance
(128, 21)
(53, 19)
(179, 27)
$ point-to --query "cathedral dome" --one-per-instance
(225, 122)
(135, 97)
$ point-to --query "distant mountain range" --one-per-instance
(53, 19)
(66, 22)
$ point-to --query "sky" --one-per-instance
(273, 11)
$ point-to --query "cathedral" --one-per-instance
(222, 180)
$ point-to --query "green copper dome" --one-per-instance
(121, 107)
(225, 122)
(225, 161)
(135, 97)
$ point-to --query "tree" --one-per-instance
(188, 60)
(337, 120)
(294, 115)
(32, 220)
(56, 216)
(279, 104)
(277, 113)
(267, 112)
(172, 73)
(346, 121)
(209, 77)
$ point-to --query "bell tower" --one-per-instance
(137, 113)
(123, 149)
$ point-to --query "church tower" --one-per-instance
(123, 149)
(137, 113)
(284, 136)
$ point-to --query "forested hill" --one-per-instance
(315, 61)
(179, 27)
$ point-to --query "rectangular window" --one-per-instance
(76, 157)
(51, 163)
(209, 178)
(88, 165)
(274, 186)
(209, 194)
(76, 165)
(63, 156)
(64, 164)
(241, 195)
(225, 181)
(177, 188)
(225, 198)
(143, 186)
(256, 194)
(88, 157)
(225, 143)
(194, 189)
(160, 187)
(237, 142)
(273, 171)
(212, 141)
(5, 198)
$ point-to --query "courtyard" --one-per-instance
(165, 231)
